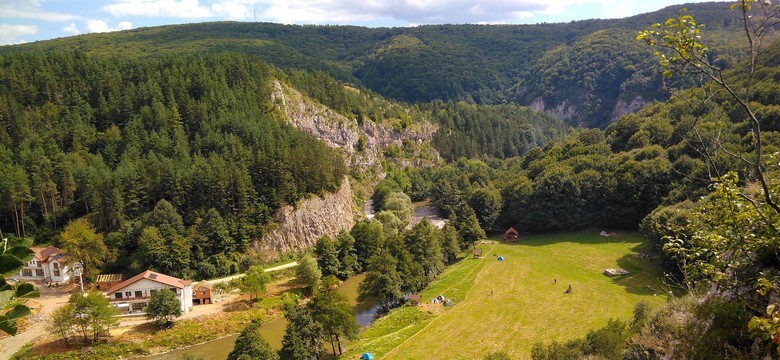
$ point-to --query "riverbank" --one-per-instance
(143, 338)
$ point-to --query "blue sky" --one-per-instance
(31, 20)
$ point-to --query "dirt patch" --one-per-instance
(51, 346)
(431, 309)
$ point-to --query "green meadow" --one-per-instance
(510, 305)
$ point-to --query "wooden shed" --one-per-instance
(477, 254)
(201, 293)
(414, 299)
(106, 281)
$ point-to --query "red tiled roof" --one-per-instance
(511, 231)
(43, 253)
(160, 278)
(415, 297)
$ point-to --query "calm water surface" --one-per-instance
(273, 331)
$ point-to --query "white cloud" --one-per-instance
(9, 33)
(72, 29)
(32, 9)
(411, 11)
(421, 11)
(231, 10)
(102, 26)
(158, 8)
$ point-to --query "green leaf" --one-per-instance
(5, 297)
(25, 290)
(9, 264)
(17, 312)
(21, 252)
(8, 325)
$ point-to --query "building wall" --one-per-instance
(40, 270)
(145, 286)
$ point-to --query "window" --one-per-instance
(128, 294)
(138, 306)
(26, 272)
(56, 272)
(56, 265)
(151, 292)
(38, 272)
(37, 263)
(139, 293)
(118, 295)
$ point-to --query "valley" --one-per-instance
(593, 189)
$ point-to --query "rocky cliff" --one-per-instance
(338, 131)
(298, 228)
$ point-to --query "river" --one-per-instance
(273, 331)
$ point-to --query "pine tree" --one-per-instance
(382, 281)
(308, 273)
(327, 258)
(250, 344)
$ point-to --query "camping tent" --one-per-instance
(500, 258)
(366, 356)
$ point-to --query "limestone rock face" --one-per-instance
(624, 107)
(339, 131)
(299, 228)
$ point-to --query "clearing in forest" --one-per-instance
(510, 305)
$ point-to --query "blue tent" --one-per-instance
(366, 356)
(500, 258)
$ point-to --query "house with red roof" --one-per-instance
(48, 264)
(510, 235)
(133, 294)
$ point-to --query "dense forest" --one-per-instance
(586, 65)
(177, 155)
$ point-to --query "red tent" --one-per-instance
(510, 235)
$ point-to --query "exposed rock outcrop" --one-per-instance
(564, 111)
(299, 228)
(338, 131)
(624, 107)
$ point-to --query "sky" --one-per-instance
(31, 20)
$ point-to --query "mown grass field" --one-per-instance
(527, 304)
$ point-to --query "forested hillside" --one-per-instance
(190, 147)
(586, 72)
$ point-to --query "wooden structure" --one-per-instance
(106, 281)
(510, 235)
(477, 254)
(414, 299)
(201, 293)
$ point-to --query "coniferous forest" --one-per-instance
(163, 148)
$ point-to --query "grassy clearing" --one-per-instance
(527, 304)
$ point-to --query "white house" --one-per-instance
(133, 294)
(47, 265)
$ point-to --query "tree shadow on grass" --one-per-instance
(590, 236)
(646, 276)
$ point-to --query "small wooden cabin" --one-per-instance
(414, 299)
(477, 254)
(510, 235)
(201, 293)
(106, 281)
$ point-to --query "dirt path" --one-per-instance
(275, 268)
(42, 306)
